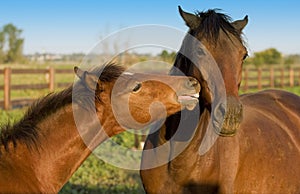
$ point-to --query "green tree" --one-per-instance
(269, 57)
(11, 45)
(164, 55)
(292, 59)
(272, 56)
(2, 42)
(289, 61)
(169, 57)
(258, 59)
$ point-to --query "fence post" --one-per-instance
(272, 77)
(291, 77)
(246, 79)
(259, 85)
(51, 79)
(7, 84)
(282, 77)
(136, 141)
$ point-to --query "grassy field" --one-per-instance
(295, 90)
(94, 176)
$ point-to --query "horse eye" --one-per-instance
(137, 87)
(245, 56)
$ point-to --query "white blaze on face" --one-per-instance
(128, 73)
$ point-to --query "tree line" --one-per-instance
(11, 44)
(11, 51)
(269, 56)
(272, 56)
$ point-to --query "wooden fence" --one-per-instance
(253, 78)
(7, 103)
(271, 77)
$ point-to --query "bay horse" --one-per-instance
(39, 153)
(257, 149)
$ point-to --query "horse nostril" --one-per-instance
(192, 83)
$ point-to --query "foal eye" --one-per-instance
(137, 87)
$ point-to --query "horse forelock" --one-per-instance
(209, 30)
(212, 21)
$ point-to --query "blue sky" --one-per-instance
(66, 26)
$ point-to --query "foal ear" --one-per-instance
(191, 20)
(90, 80)
(78, 72)
(240, 24)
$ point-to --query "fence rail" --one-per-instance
(8, 86)
(272, 77)
(253, 78)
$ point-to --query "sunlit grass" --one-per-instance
(295, 90)
(28, 79)
(94, 175)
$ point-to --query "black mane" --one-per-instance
(209, 29)
(211, 23)
(26, 129)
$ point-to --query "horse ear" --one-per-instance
(191, 20)
(78, 72)
(90, 80)
(240, 24)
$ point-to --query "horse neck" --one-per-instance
(181, 167)
(62, 148)
(192, 145)
(220, 154)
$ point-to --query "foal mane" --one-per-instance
(26, 130)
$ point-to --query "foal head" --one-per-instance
(222, 38)
(134, 100)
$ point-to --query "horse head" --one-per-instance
(221, 39)
(135, 100)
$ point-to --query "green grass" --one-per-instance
(94, 175)
(20, 79)
(265, 75)
(295, 90)
(11, 116)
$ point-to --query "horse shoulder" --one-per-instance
(272, 107)
(269, 141)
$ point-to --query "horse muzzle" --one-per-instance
(189, 97)
(232, 114)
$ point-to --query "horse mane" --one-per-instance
(26, 129)
(212, 21)
(209, 29)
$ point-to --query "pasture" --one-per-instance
(94, 176)
(38, 77)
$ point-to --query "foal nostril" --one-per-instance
(192, 83)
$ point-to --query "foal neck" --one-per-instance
(62, 146)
